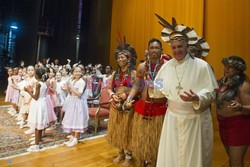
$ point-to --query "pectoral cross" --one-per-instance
(179, 88)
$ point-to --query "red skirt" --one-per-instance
(235, 130)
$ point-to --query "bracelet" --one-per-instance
(129, 98)
(241, 108)
(111, 94)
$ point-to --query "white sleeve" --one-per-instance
(80, 86)
(205, 99)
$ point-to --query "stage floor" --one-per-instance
(97, 153)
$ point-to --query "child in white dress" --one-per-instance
(76, 113)
(61, 96)
(38, 116)
(25, 108)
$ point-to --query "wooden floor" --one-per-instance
(97, 153)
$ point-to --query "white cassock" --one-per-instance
(187, 133)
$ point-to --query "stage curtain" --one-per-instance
(136, 20)
(224, 24)
(227, 29)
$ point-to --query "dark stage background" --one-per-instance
(51, 29)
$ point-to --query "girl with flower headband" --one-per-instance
(119, 86)
(233, 109)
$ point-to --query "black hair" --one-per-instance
(154, 40)
(40, 73)
(240, 77)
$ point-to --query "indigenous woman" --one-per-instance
(233, 109)
(120, 121)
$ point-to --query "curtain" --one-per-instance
(224, 24)
(135, 19)
(227, 30)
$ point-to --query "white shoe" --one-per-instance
(16, 114)
(34, 148)
(19, 123)
(11, 109)
(19, 118)
(32, 139)
(13, 113)
(22, 125)
(51, 127)
(73, 142)
(70, 140)
(32, 142)
(69, 136)
(29, 132)
(25, 125)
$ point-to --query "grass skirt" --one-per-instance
(119, 133)
(146, 137)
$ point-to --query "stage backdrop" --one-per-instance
(224, 24)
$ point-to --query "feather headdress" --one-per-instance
(176, 32)
(127, 49)
(201, 46)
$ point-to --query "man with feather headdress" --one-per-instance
(189, 85)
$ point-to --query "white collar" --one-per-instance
(183, 60)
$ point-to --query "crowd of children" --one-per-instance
(48, 95)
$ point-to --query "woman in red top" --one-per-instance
(120, 120)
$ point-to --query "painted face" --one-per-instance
(77, 73)
(122, 60)
(229, 71)
(30, 71)
(58, 76)
(179, 49)
(154, 50)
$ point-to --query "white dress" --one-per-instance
(61, 94)
(76, 111)
(38, 116)
(24, 109)
(187, 133)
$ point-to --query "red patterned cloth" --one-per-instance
(150, 109)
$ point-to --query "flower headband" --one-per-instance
(235, 62)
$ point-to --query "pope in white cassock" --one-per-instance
(189, 84)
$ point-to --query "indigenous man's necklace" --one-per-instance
(179, 79)
(152, 73)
